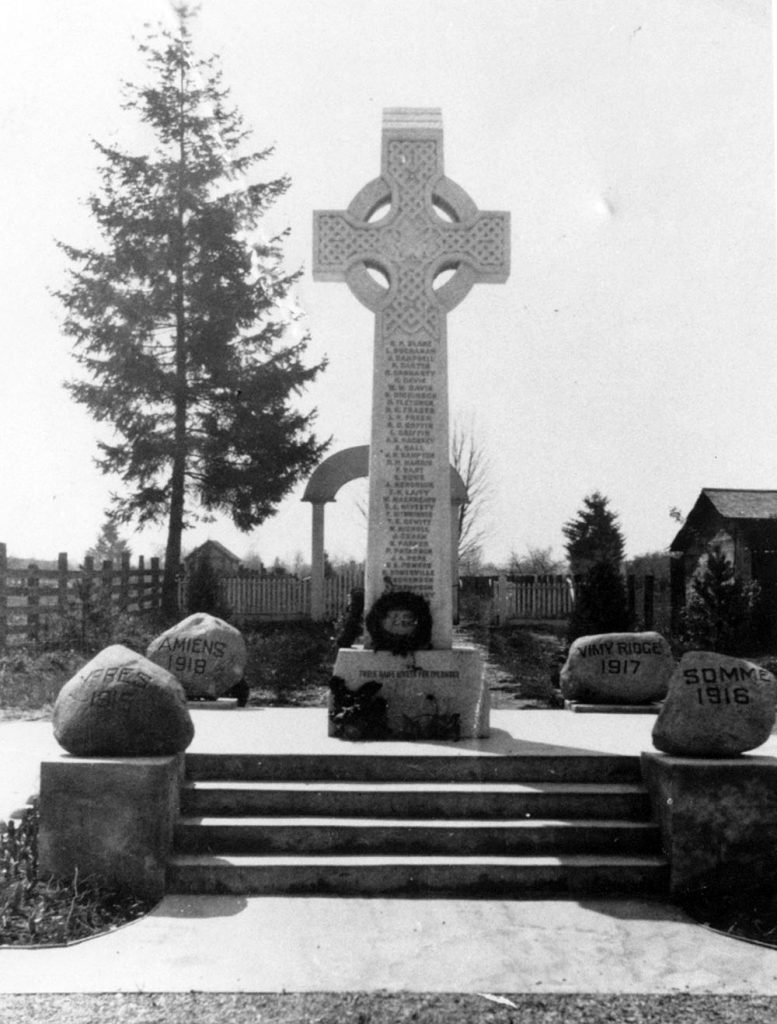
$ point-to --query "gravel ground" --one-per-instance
(386, 1008)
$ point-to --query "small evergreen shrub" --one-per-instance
(601, 604)
(720, 609)
(290, 663)
(203, 593)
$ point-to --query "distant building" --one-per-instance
(221, 559)
(744, 525)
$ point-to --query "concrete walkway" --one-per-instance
(269, 944)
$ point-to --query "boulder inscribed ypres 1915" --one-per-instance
(122, 705)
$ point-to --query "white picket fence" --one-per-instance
(536, 600)
(278, 598)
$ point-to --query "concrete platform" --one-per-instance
(23, 745)
(269, 944)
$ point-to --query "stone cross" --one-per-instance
(392, 246)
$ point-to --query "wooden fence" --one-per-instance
(37, 602)
(275, 598)
(550, 599)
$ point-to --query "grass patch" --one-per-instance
(527, 663)
(32, 675)
(741, 914)
(35, 912)
(290, 664)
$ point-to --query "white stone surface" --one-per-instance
(409, 519)
(270, 944)
(422, 684)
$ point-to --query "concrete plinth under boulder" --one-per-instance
(111, 819)
(718, 821)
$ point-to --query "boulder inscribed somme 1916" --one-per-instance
(717, 706)
(617, 668)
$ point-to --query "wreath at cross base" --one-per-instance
(406, 601)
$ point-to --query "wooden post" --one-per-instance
(650, 583)
(3, 595)
(141, 584)
(155, 591)
(677, 590)
(631, 598)
(501, 600)
(86, 594)
(124, 580)
(62, 582)
(106, 596)
(33, 602)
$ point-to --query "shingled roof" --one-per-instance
(733, 504)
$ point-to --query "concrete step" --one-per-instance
(416, 800)
(401, 836)
(409, 767)
(416, 875)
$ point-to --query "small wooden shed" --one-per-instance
(743, 523)
(221, 559)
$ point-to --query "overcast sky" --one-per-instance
(631, 351)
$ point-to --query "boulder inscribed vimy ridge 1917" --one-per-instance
(617, 668)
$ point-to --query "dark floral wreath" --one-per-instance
(400, 600)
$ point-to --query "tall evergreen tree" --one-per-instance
(109, 546)
(595, 549)
(594, 536)
(176, 318)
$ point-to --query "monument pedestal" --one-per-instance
(437, 694)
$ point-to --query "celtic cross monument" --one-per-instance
(392, 246)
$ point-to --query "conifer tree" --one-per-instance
(595, 549)
(175, 318)
(594, 536)
(109, 546)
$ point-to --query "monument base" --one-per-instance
(438, 694)
(581, 708)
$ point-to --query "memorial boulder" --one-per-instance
(717, 706)
(617, 668)
(122, 705)
(205, 654)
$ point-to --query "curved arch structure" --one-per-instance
(326, 480)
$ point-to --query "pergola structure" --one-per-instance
(326, 480)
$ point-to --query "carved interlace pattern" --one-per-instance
(412, 241)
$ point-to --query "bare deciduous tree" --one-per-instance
(469, 458)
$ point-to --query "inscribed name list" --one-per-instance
(409, 493)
